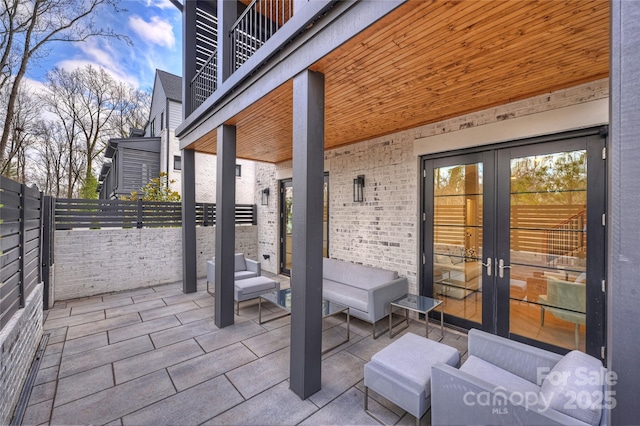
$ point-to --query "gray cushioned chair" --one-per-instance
(244, 268)
(505, 383)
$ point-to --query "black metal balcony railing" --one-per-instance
(257, 24)
(205, 81)
(260, 20)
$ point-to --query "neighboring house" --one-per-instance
(466, 126)
(134, 162)
(141, 157)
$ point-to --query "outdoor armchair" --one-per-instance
(244, 268)
(504, 382)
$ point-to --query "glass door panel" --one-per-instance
(286, 226)
(457, 239)
(548, 234)
(286, 223)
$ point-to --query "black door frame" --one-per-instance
(282, 234)
(596, 237)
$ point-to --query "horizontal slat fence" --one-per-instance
(20, 245)
(549, 229)
(77, 213)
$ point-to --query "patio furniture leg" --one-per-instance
(366, 407)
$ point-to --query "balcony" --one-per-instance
(154, 356)
(257, 23)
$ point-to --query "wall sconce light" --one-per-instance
(358, 189)
(265, 197)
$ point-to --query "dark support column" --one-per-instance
(306, 269)
(188, 53)
(225, 224)
(623, 296)
(227, 16)
(189, 265)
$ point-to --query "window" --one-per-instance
(162, 120)
(238, 170)
(153, 128)
(177, 162)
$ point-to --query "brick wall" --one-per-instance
(18, 343)
(383, 231)
(268, 217)
(90, 262)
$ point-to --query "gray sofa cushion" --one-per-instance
(240, 265)
(364, 277)
(568, 379)
(497, 376)
(354, 297)
(241, 275)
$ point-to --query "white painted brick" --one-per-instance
(96, 261)
(19, 340)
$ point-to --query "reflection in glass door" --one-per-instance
(286, 205)
(457, 239)
(514, 240)
(547, 233)
(286, 223)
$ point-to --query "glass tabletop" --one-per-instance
(282, 298)
(417, 303)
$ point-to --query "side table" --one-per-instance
(416, 303)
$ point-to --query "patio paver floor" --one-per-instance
(154, 356)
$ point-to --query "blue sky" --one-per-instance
(155, 28)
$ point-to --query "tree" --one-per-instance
(21, 133)
(156, 190)
(28, 28)
(92, 107)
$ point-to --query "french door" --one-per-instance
(286, 223)
(514, 239)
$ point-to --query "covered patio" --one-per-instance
(155, 356)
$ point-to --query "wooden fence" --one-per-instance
(20, 245)
(75, 213)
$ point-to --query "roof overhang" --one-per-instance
(428, 61)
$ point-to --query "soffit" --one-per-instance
(429, 61)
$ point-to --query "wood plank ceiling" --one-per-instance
(432, 60)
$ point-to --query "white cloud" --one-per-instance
(161, 4)
(156, 31)
(33, 86)
(100, 55)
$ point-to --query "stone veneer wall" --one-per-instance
(384, 230)
(19, 340)
(90, 262)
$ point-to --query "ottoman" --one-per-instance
(401, 372)
(251, 288)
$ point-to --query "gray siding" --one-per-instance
(138, 167)
(175, 114)
(158, 103)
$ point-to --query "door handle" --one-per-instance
(488, 265)
(501, 268)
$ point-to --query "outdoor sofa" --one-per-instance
(366, 290)
(504, 382)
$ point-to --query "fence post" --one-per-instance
(205, 214)
(21, 246)
(139, 224)
(45, 248)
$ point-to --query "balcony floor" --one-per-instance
(154, 356)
